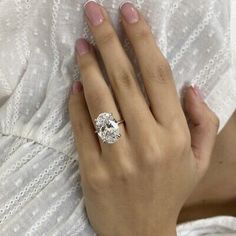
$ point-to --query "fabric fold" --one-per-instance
(40, 191)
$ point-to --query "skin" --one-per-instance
(131, 188)
(216, 193)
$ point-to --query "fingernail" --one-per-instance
(81, 46)
(198, 93)
(77, 87)
(129, 12)
(93, 12)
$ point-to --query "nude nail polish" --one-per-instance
(198, 92)
(82, 46)
(129, 12)
(93, 12)
(77, 87)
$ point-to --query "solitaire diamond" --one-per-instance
(107, 128)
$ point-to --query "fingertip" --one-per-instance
(197, 93)
(193, 105)
(193, 96)
(188, 96)
(76, 102)
(82, 46)
(77, 87)
(83, 49)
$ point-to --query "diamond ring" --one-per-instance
(107, 127)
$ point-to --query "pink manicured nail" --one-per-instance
(77, 87)
(81, 46)
(129, 12)
(93, 12)
(198, 92)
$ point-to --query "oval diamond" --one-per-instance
(107, 127)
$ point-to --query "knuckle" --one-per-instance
(143, 34)
(107, 37)
(125, 174)
(215, 121)
(96, 181)
(160, 73)
(151, 155)
(86, 64)
(122, 78)
(96, 98)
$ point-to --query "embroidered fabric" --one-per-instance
(215, 226)
(40, 191)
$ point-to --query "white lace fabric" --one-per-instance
(40, 192)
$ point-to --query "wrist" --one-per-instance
(169, 230)
(164, 230)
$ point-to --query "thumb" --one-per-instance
(203, 125)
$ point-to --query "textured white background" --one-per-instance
(40, 192)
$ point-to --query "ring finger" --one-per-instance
(97, 94)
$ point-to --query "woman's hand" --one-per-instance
(138, 185)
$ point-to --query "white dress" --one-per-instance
(40, 192)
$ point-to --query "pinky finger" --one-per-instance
(87, 143)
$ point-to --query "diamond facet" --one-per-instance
(107, 128)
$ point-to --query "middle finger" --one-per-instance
(119, 69)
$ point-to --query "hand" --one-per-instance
(138, 185)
